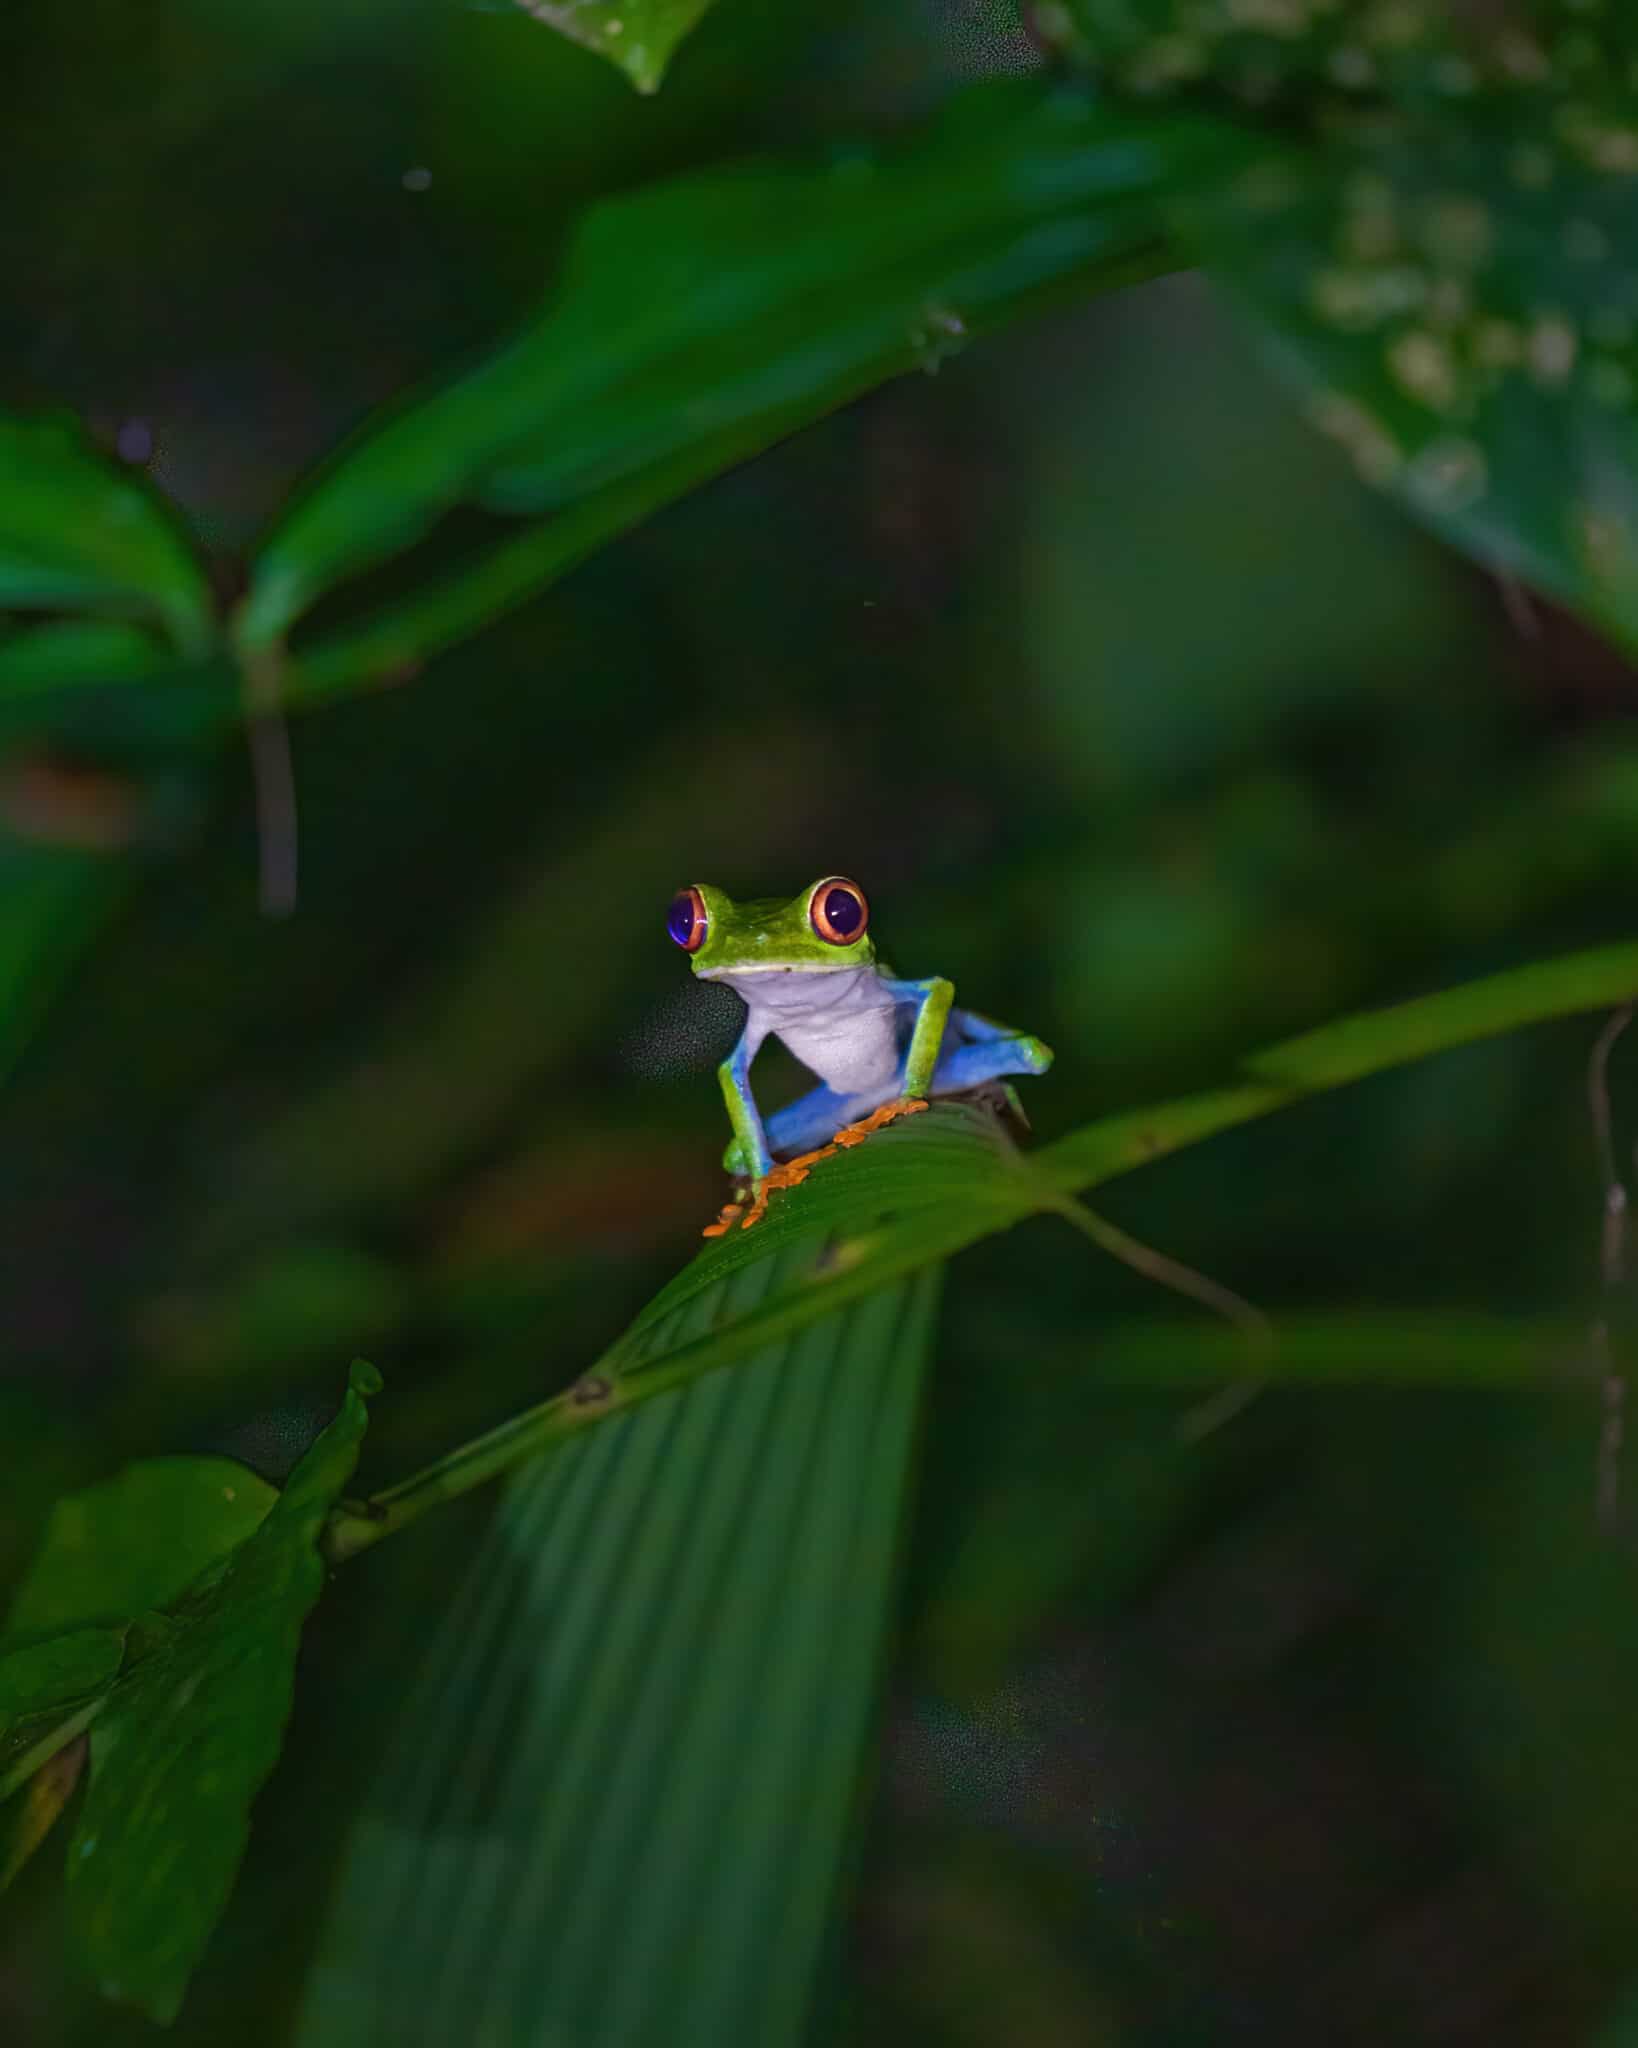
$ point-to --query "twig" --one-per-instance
(1611, 1269)
(1518, 605)
(1154, 1265)
(268, 738)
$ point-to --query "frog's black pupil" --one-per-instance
(680, 924)
(844, 913)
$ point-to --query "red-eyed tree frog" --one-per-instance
(808, 974)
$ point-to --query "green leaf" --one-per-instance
(57, 1671)
(637, 35)
(189, 1733)
(739, 295)
(112, 686)
(610, 1732)
(927, 1187)
(1362, 1347)
(1435, 248)
(75, 530)
(28, 1745)
(136, 1541)
(917, 1192)
(1456, 302)
(49, 1692)
(642, 1724)
(49, 657)
(702, 319)
(27, 1819)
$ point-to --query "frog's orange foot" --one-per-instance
(855, 1134)
(724, 1222)
(790, 1175)
(795, 1171)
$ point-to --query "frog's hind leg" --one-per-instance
(978, 1050)
(975, 1051)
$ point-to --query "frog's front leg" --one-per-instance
(932, 998)
(749, 1152)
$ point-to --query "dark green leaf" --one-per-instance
(28, 1745)
(553, 1777)
(75, 530)
(188, 1735)
(637, 35)
(56, 1671)
(136, 1541)
(45, 658)
(110, 685)
(49, 1692)
(1436, 1348)
(1457, 301)
(917, 1192)
(29, 1817)
(700, 320)
(1443, 269)
(617, 1802)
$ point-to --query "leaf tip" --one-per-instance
(364, 1379)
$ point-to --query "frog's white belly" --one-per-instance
(837, 1021)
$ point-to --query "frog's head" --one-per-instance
(826, 927)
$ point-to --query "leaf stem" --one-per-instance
(355, 1526)
(1169, 1272)
(268, 738)
(607, 1389)
(56, 1738)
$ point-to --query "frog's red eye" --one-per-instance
(687, 920)
(838, 911)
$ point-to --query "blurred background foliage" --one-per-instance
(1141, 720)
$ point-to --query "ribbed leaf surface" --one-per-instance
(615, 1807)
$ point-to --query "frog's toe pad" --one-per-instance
(726, 1218)
(790, 1175)
(1033, 1056)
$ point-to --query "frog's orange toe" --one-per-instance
(855, 1134)
(724, 1222)
(795, 1171)
(790, 1175)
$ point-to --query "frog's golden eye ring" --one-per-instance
(837, 910)
(687, 922)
